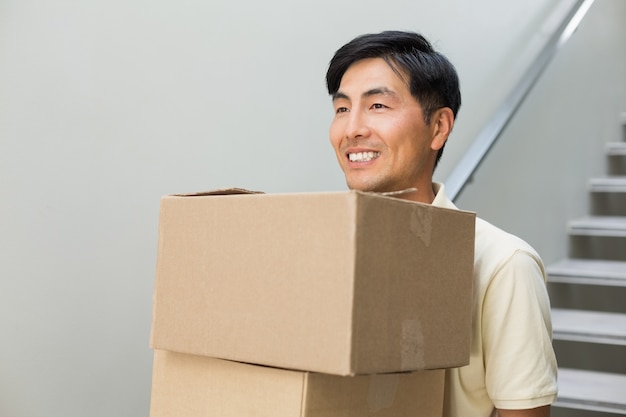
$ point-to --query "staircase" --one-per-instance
(588, 295)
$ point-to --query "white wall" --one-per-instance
(107, 105)
(535, 179)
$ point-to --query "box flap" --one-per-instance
(224, 191)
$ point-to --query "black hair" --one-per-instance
(433, 80)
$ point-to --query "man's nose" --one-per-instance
(357, 127)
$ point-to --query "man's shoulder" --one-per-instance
(488, 234)
(492, 242)
(494, 246)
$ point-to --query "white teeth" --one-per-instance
(363, 156)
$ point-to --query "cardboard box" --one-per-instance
(198, 386)
(342, 283)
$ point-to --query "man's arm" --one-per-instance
(533, 412)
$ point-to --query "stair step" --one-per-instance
(589, 326)
(588, 272)
(610, 226)
(616, 148)
(593, 391)
(614, 184)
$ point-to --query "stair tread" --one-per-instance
(600, 221)
(589, 326)
(591, 390)
(615, 183)
(588, 268)
(599, 225)
(616, 148)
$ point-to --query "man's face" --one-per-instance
(379, 135)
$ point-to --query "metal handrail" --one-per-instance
(462, 173)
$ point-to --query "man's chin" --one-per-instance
(364, 186)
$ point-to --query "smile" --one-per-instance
(363, 156)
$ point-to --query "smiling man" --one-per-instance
(395, 102)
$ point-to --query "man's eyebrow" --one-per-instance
(369, 93)
(378, 91)
(340, 96)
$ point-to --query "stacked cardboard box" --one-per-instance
(316, 304)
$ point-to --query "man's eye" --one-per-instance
(341, 109)
(378, 106)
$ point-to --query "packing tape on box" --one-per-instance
(382, 391)
(412, 353)
(421, 225)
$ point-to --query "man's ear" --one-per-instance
(442, 121)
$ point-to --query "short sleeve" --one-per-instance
(520, 366)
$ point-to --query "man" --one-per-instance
(395, 102)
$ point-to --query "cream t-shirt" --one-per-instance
(512, 362)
